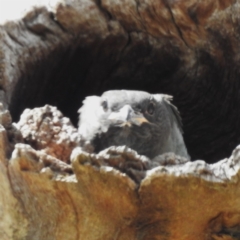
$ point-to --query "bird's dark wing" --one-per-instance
(175, 142)
(167, 99)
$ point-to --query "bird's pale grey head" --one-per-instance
(142, 121)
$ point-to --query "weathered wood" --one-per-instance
(59, 53)
(187, 201)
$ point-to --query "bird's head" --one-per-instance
(126, 109)
(121, 108)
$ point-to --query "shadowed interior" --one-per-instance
(206, 92)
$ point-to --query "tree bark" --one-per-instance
(61, 52)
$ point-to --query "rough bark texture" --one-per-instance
(42, 199)
(59, 53)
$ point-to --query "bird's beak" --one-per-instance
(138, 120)
(127, 117)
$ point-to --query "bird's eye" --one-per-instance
(105, 105)
(151, 108)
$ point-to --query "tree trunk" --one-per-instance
(57, 53)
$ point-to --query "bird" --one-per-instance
(147, 123)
